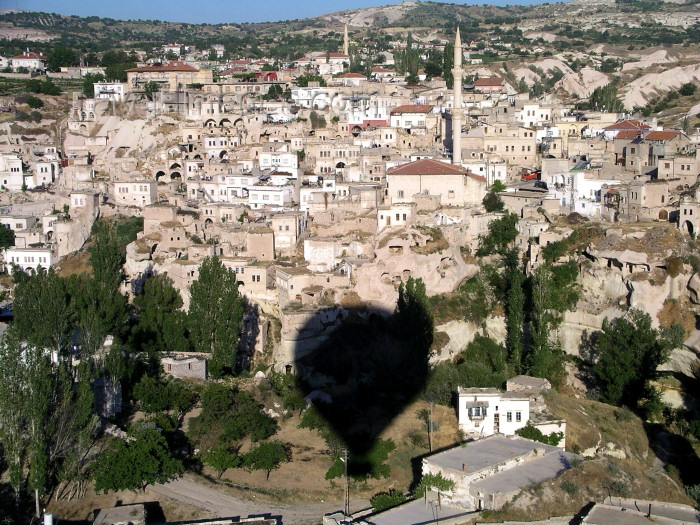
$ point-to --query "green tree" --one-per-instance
(221, 457)
(430, 482)
(303, 80)
(7, 237)
(515, 319)
(385, 500)
(267, 456)
(413, 317)
(604, 98)
(215, 314)
(60, 56)
(44, 296)
(448, 63)
(135, 464)
(502, 232)
(629, 352)
(34, 102)
(162, 323)
(151, 87)
(12, 417)
(118, 71)
(545, 358)
(89, 81)
(522, 86)
(432, 69)
(492, 202)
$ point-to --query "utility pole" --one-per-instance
(430, 427)
(347, 485)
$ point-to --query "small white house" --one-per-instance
(136, 193)
(266, 196)
(486, 411)
(29, 258)
(112, 91)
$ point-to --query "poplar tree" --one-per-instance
(12, 418)
(215, 314)
(448, 63)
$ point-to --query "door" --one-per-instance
(496, 424)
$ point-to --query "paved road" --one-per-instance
(189, 491)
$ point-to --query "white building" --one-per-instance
(28, 258)
(135, 193)
(29, 60)
(269, 196)
(12, 176)
(486, 411)
(112, 91)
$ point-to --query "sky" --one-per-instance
(212, 11)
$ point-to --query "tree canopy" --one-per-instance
(629, 351)
(133, 465)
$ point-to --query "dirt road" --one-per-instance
(189, 491)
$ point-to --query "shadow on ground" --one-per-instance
(368, 369)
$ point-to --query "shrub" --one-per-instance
(385, 500)
(34, 102)
(535, 434)
(569, 487)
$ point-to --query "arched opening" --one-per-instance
(175, 165)
(197, 157)
(663, 215)
(225, 122)
(238, 121)
(223, 154)
(356, 131)
(159, 175)
(175, 175)
(689, 227)
(153, 248)
(340, 165)
(210, 123)
(208, 222)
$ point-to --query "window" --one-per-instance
(477, 411)
(509, 417)
(518, 416)
(399, 194)
(451, 194)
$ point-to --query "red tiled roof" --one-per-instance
(351, 75)
(412, 108)
(488, 82)
(661, 135)
(31, 55)
(173, 66)
(627, 124)
(627, 134)
(432, 167)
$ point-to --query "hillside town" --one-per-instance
(306, 269)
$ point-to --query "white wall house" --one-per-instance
(112, 91)
(29, 258)
(135, 193)
(486, 411)
(279, 159)
(11, 172)
(30, 60)
(269, 196)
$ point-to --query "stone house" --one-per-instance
(185, 366)
(489, 472)
(453, 185)
(29, 60)
(172, 77)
